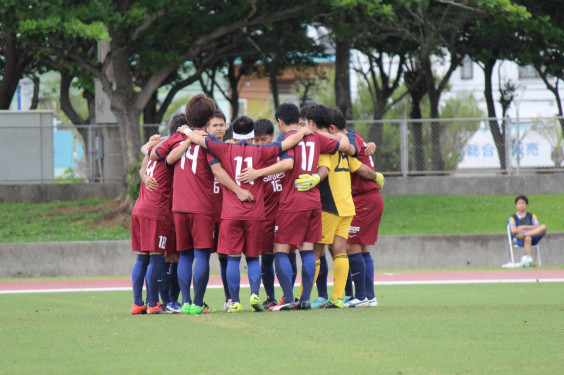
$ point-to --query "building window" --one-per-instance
(528, 71)
(466, 71)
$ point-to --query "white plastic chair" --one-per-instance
(513, 243)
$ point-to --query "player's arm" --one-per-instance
(179, 150)
(322, 172)
(295, 138)
(153, 141)
(306, 182)
(344, 143)
(197, 136)
(250, 174)
(149, 181)
(224, 179)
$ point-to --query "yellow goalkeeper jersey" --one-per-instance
(336, 196)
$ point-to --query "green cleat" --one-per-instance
(235, 308)
(338, 304)
(185, 308)
(255, 303)
(200, 309)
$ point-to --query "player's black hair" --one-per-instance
(177, 121)
(320, 114)
(219, 114)
(523, 197)
(243, 125)
(288, 112)
(337, 118)
(303, 110)
(263, 126)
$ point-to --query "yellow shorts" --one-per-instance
(333, 225)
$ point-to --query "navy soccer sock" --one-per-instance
(284, 274)
(223, 270)
(308, 273)
(174, 290)
(253, 269)
(165, 283)
(201, 274)
(267, 270)
(321, 282)
(293, 262)
(233, 277)
(138, 277)
(349, 285)
(153, 275)
(358, 275)
(369, 278)
(185, 274)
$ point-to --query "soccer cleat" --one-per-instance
(235, 308)
(285, 307)
(373, 302)
(173, 308)
(347, 299)
(281, 302)
(186, 308)
(354, 303)
(158, 309)
(317, 303)
(255, 303)
(304, 305)
(138, 310)
(205, 309)
(338, 304)
(269, 303)
(227, 304)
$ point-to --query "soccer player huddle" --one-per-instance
(268, 200)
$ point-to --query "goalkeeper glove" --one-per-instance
(306, 182)
(380, 180)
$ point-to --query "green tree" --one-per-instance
(148, 41)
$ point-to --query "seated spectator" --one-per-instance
(526, 229)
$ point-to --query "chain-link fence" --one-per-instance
(448, 146)
(92, 153)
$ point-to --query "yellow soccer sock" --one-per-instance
(317, 267)
(340, 275)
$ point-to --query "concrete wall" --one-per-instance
(26, 147)
(59, 192)
(531, 183)
(115, 258)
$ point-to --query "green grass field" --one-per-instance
(430, 214)
(417, 329)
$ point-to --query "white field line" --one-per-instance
(413, 282)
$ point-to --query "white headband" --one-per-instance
(244, 136)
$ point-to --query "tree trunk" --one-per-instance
(417, 91)
(497, 135)
(342, 78)
(375, 133)
(417, 134)
(434, 94)
(150, 123)
(273, 69)
(35, 97)
(233, 78)
(15, 63)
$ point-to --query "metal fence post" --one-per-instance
(508, 145)
(403, 148)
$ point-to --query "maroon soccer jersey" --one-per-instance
(360, 185)
(305, 155)
(234, 158)
(156, 204)
(193, 178)
(272, 192)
